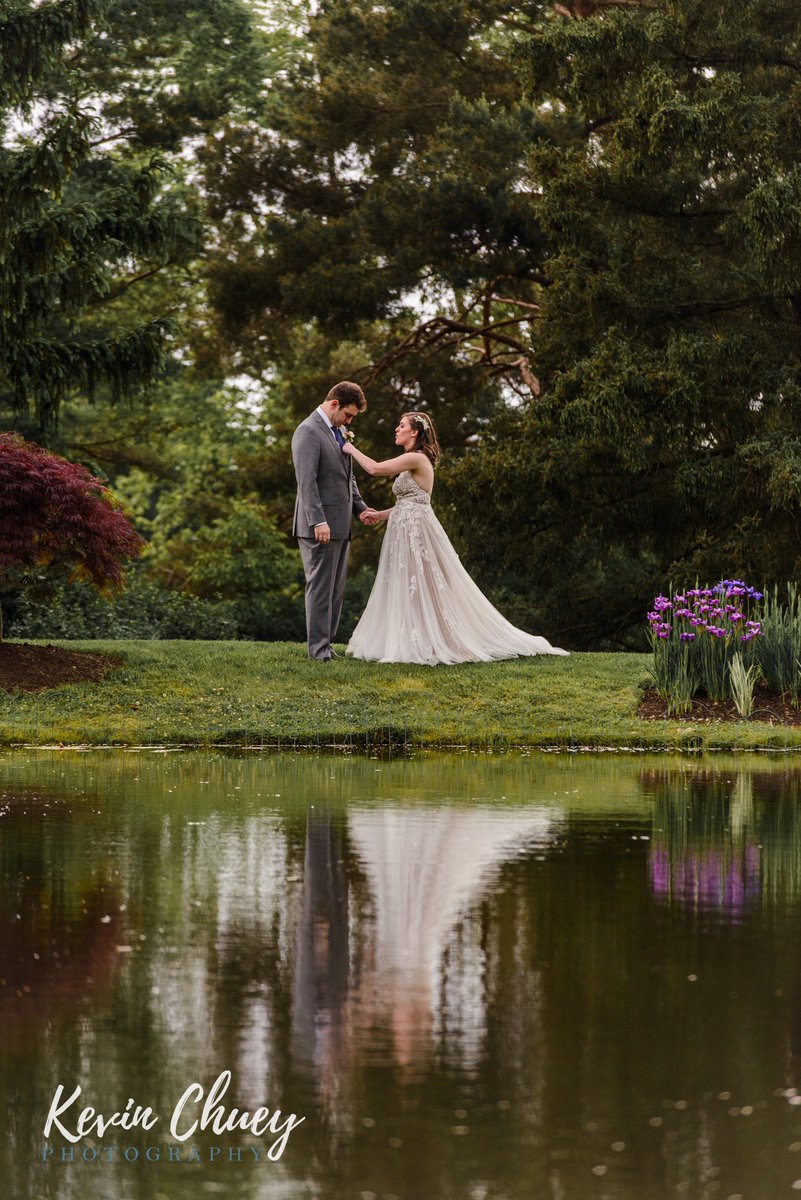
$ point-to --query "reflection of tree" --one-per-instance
(402, 960)
(778, 829)
(58, 930)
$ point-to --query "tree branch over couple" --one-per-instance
(424, 607)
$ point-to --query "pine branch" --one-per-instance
(122, 287)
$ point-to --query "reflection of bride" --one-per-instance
(424, 607)
(425, 868)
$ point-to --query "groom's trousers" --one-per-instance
(325, 565)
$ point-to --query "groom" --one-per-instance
(327, 501)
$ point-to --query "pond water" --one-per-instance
(545, 977)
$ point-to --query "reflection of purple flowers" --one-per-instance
(720, 879)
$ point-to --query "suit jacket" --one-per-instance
(327, 490)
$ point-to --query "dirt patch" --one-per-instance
(769, 709)
(26, 668)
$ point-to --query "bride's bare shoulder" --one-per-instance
(423, 471)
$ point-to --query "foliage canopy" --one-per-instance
(667, 442)
(589, 209)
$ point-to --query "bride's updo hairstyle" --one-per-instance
(427, 441)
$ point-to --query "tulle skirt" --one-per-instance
(425, 608)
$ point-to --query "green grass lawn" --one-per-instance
(269, 694)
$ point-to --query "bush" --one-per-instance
(143, 610)
(779, 648)
(147, 609)
(57, 520)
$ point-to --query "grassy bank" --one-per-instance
(260, 694)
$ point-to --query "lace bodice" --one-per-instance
(407, 489)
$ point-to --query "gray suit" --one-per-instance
(327, 492)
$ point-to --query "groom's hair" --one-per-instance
(348, 393)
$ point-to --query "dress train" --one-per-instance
(424, 607)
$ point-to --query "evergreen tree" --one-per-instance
(100, 103)
(667, 442)
(381, 227)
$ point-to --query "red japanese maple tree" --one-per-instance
(55, 514)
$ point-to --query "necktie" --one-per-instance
(338, 435)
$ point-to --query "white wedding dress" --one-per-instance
(424, 607)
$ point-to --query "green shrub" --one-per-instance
(779, 646)
(149, 610)
(142, 610)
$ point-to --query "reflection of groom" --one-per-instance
(327, 501)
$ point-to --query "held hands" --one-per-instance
(370, 516)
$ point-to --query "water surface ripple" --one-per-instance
(474, 977)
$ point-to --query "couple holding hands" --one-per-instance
(424, 607)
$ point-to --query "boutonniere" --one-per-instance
(349, 435)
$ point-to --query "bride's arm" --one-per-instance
(390, 466)
(383, 515)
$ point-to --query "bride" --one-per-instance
(424, 607)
